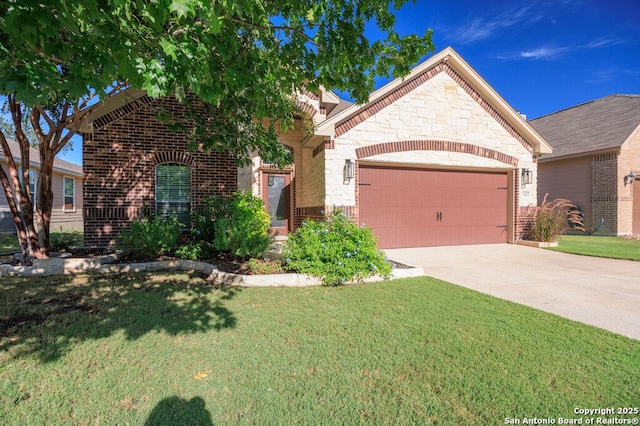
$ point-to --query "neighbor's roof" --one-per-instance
(34, 159)
(600, 125)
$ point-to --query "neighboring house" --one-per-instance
(436, 158)
(596, 154)
(66, 214)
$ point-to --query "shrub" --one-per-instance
(203, 231)
(335, 250)
(241, 225)
(263, 267)
(64, 240)
(554, 218)
(150, 237)
(192, 251)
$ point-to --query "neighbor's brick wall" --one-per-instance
(604, 197)
(120, 156)
(629, 161)
(570, 179)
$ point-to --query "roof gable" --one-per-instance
(599, 125)
(449, 62)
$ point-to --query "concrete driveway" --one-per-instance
(600, 292)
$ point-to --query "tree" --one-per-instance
(243, 59)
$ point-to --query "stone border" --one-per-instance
(104, 265)
(537, 243)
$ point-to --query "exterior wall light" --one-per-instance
(526, 178)
(629, 179)
(349, 170)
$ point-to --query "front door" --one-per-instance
(276, 196)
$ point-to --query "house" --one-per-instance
(66, 214)
(596, 156)
(436, 158)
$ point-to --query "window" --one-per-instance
(69, 193)
(173, 191)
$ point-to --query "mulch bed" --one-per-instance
(223, 261)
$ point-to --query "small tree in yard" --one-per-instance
(245, 60)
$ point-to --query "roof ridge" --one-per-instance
(57, 162)
(587, 102)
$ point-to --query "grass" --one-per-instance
(58, 239)
(9, 243)
(169, 349)
(611, 247)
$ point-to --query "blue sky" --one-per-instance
(540, 56)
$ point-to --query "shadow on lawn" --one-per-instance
(178, 411)
(45, 316)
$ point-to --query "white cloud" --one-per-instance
(600, 42)
(544, 52)
(487, 26)
(551, 52)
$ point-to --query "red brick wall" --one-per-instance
(604, 196)
(120, 156)
(570, 179)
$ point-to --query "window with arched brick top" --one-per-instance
(173, 191)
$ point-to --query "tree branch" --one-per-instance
(276, 28)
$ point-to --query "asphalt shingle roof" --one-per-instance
(598, 125)
(34, 159)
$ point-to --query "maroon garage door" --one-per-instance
(414, 207)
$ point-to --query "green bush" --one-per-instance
(192, 251)
(335, 250)
(203, 231)
(64, 240)
(149, 238)
(241, 225)
(237, 224)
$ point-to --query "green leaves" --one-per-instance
(243, 58)
(336, 250)
(182, 8)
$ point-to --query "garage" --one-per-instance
(408, 207)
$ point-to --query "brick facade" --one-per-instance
(604, 193)
(120, 156)
(434, 120)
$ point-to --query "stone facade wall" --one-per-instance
(438, 110)
(439, 123)
(120, 156)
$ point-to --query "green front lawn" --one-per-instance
(9, 243)
(169, 349)
(613, 247)
(57, 240)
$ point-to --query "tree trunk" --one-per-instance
(44, 197)
(19, 200)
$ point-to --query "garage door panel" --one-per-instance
(417, 207)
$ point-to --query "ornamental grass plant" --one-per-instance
(553, 218)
